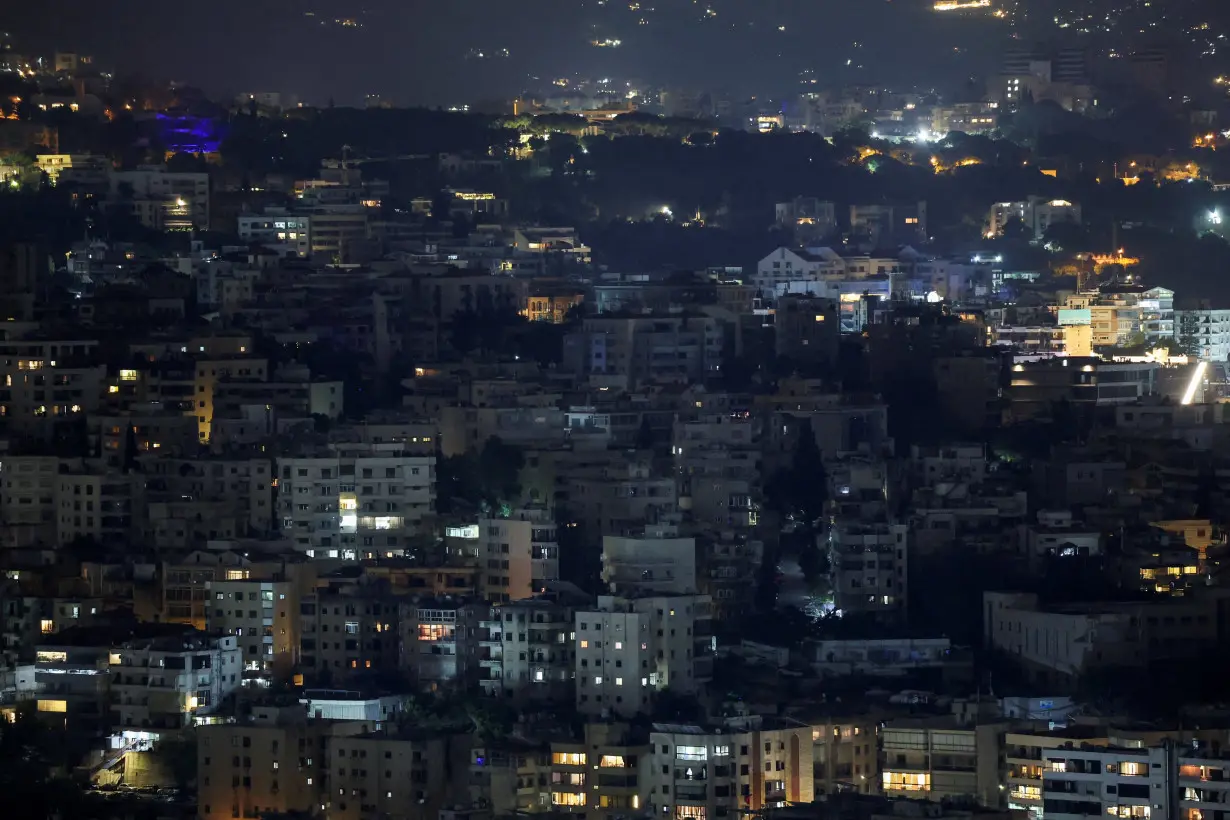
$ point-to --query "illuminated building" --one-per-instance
(602, 774)
(517, 554)
(356, 501)
(628, 649)
(348, 631)
(1204, 333)
(80, 169)
(439, 642)
(551, 307)
(163, 683)
(754, 763)
(263, 616)
(1036, 214)
(278, 229)
(940, 759)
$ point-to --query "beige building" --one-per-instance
(273, 761)
(263, 617)
(939, 758)
(396, 776)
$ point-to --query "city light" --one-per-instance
(958, 5)
(1190, 394)
(1215, 217)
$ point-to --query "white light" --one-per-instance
(1197, 377)
(1215, 217)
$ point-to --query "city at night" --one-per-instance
(615, 410)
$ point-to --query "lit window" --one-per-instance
(568, 758)
(691, 753)
(47, 626)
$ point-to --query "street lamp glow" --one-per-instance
(1215, 216)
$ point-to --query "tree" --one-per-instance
(1016, 229)
(178, 753)
(30, 750)
(801, 489)
(500, 467)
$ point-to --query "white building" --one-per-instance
(525, 650)
(785, 265)
(702, 773)
(352, 505)
(629, 649)
(1204, 333)
(1036, 213)
(162, 683)
(1080, 781)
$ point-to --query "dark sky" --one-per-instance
(416, 51)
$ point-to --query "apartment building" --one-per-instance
(264, 619)
(28, 488)
(183, 197)
(354, 502)
(1024, 753)
(1035, 214)
(274, 761)
(869, 568)
(720, 772)
(95, 503)
(517, 554)
(717, 457)
(657, 563)
(438, 641)
(845, 754)
(941, 759)
(163, 683)
(278, 229)
(1060, 644)
(403, 775)
(342, 633)
(1204, 333)
(785, 266)
(628, 649)
(620, 499)
(604, 773)
(1083, 780)
(526, 649)
(626, 351)
(244, 485)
